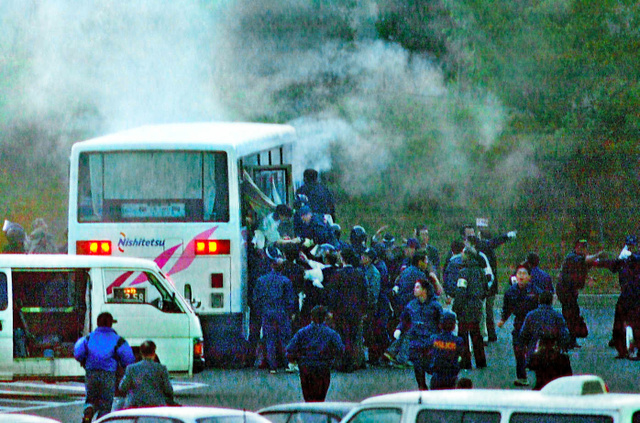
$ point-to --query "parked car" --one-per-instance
(184, 414)
(307, 412)
(571, 399)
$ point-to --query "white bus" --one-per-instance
(181, 195)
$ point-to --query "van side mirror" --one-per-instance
(188, 293)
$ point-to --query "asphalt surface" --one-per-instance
(251, 389)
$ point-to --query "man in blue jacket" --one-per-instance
(314, 347)
(100, 353)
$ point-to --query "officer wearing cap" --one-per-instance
(445, 350)
(573, 276)
(275, 301)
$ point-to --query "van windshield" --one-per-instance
(153, 186)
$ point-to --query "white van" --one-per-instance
(47, 302)
(572, 399)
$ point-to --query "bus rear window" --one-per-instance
(153, 186)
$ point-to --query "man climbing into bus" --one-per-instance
(320, 198)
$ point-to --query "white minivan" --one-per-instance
(572, 399)
(47, 302)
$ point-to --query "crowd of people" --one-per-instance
(397, 303)
(319, 302)
(38, 241)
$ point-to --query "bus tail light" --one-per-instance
(198, 348)
(217, 280)
(93, 248)
(209, 247)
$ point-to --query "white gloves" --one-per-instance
(307, 242)
(318, 284)
(512, 234)
(396, 289)
(396, 334)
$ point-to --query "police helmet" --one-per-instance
(358, 235)
(273, 253)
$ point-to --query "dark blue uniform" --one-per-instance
(445, 350)
(275, 301)
(419, 320)
(541, 325)
(519, 302)
(314, 347)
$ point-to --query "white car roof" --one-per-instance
(57, 261)
(583, 392)
(183, 412)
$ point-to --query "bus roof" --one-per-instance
(60, 261)
(240, 137)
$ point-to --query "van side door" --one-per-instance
(6, 326)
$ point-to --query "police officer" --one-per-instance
(520, 299)
(573, 276)
(275, 302)
(545, 335)
(445, 351)
(314, 347)
(420, 319)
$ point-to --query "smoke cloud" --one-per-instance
(383, 119)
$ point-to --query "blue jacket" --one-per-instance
(541, 279)
(99, 351)
(273, 294)
(421, 320)
(316, 230)
(544, 320)
(445, 349)
(320, 198)
(315, 345)
(519, 302)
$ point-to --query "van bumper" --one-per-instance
(198, 365)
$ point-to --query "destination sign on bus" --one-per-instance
(154, 211)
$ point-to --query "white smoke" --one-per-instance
(132, 63)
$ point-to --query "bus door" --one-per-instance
(6, 327)
(275, 182)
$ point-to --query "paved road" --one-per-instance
(251, 388)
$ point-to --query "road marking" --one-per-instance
(37, 405)
(79, 387)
